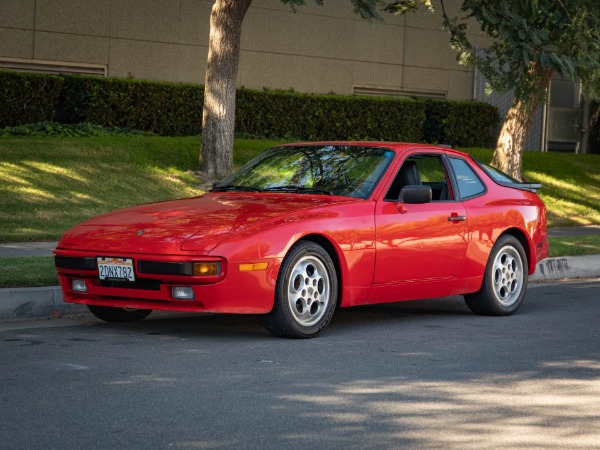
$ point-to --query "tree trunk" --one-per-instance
(508, 156)
(218, 114)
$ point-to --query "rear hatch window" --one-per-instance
(505, 180)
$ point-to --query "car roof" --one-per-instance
(380, 144)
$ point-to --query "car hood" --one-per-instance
(203, 221)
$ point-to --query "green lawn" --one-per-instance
(574, 246)
(32, 271)
(570, 184)
(49, 184)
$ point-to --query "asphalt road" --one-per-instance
(420, 374)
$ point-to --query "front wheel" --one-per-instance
(504, 282)
(305, 294)
(111, 314)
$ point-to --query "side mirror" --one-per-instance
(415, 193)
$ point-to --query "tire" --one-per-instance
(111, 314)
(305, 294)
(504, 282)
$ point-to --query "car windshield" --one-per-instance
(320, 169)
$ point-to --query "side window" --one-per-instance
(469, 184)
(426, 169)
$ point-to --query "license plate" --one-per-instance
(116, 269)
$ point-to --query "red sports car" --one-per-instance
(305, 228)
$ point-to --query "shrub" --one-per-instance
(163, 108)
(174, 109)
(328, 117)
(460, 123)
(85, 129)
(28, 98)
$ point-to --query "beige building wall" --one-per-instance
(315, 49)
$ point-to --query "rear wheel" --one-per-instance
(111, 314)
(505, 280)
(305, 294)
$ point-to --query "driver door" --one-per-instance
(417, 242)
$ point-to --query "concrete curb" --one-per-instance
(43, 302)
(35, 303)
(551, 269)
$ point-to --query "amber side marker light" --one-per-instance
(250, 267)
(206, 269)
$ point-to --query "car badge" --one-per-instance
(139, 233)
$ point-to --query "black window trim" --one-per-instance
(452, 176)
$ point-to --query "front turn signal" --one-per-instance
(204, 269)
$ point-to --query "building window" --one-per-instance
(53, 67)
(400, 93)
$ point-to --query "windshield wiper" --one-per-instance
(298, 189)
(233, 187)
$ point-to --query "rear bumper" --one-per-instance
(541, 250)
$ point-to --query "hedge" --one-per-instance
(28, 98)
(163, 108)
(460, 123)
(328, 117)
(176, 109)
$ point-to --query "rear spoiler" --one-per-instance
(531, 187)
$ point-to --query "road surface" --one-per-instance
(418, 374)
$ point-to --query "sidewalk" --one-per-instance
(19, 249)
(42, 302)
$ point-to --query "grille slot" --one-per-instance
(145, 285)
(165, 268)
(65, 262)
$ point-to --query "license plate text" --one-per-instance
(116, 269)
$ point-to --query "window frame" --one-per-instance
(445, 166)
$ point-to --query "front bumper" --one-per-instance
(234, 291)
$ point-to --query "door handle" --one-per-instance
(456, 218)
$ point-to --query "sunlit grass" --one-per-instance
(49, 184)
(570, 184)
(574, 246)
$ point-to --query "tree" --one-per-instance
(218, 114)
(531, 40)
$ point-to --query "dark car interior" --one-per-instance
(421, 170)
